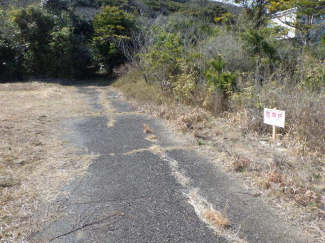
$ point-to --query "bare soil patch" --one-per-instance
(35, 162)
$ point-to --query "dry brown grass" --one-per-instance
(281, 183)
(108, 110)
(287, 174)
(305, 117)
(146, 129)
(180, 177)
(133, 86)
(216, 218)
(162, 105)
(34, 160)
(240, 163)
(152, 137)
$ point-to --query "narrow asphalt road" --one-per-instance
(142, 190)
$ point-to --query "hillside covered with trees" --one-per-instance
(204, 64)
(198, 52)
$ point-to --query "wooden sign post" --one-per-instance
(274, 118)
(274, 133)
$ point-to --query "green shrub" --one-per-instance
(312, 74)
(56, 6)
(126, 5)
(66, 54)
(257, 45)
(44, 44)
(161, 59)
(35, 28)
(221, 80)
(229, 45)
(111, 26)
(185, 85)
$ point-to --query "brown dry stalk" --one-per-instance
(152, 137)
(146, 128)
(216, 218)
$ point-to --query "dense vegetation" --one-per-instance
(196, 52)
(55, 38)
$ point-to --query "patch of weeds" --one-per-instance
(146, 129)
(316, 176)
(200, 143)
(274, 178)
(240, 163)
(283, 184)
(191, 120)
(216, 218)
(282, 163)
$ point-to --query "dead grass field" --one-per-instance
(35, 162)
(292, 183)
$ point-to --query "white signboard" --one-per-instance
(274, 117)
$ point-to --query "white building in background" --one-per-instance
(286, 19)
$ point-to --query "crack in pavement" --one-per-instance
(218, 221)
(110, 112)
(166, 191)
(156, 149)
(86, 224)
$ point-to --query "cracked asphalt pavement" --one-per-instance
(131, 193)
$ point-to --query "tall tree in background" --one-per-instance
(34, 33)
(255, 10)
(110, 26)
